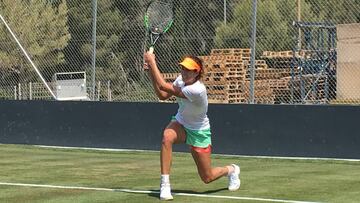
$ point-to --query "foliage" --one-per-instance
(336, 11)
(57, 34)
(41, 28)
(274, 25)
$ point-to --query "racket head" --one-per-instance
(159, 17)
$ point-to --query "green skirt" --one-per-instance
(197, 138)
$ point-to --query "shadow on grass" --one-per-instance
(155, 193)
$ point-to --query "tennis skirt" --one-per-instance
(197, 138)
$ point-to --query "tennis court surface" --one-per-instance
(42, 174)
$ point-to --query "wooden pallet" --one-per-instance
(282, 83)
(286, 54)
(223, 77)
(224, 101)
(225, 67)
(234, 52)
(259, 64)
(269, 54)
(223, 92)
(225, 87)
(262, 92)
(279, 63)
(271, 73)
(277, 54)
(226, 98)
(170, 77)
(221, 59)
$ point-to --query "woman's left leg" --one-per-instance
(203, 163)
(208, 174)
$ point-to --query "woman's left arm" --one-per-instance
(159, 80)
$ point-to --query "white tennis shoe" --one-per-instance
(234, 180)
(165, 192)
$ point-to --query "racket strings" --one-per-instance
(159, 16)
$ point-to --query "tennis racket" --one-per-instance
(158, 20)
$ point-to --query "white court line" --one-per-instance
(151, 192)
(226, 155)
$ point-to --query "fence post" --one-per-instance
(98, 91)
(109, 90)
(19, 91)
(15, 92)
(253, 45)
(225, 14)
(94, 14)
(30, 90)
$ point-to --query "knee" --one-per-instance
(168, 138)
(207, 178)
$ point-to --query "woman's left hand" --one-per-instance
(149, 59)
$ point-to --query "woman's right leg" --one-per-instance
(174, 133)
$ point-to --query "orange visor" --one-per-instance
(190, 64)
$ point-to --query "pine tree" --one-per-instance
(41, 29)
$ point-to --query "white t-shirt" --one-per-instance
(192, 112)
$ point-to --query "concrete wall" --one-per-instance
(348, 67)
(274, 130)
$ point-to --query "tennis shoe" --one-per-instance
(234, 180)
(165, 192)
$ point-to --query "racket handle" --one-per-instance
(151, 49)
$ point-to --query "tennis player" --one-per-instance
(190, 125)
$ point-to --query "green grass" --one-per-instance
(302, 180)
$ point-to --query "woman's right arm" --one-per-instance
(162, 95)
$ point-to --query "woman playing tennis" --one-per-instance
(190, 125)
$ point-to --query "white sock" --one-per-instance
(165, 178)
(230, 169)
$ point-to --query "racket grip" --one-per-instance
(151, 49)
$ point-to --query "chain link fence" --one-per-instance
(304, 52)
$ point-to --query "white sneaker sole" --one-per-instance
(234, 189)
(166, 198)
(237, 170)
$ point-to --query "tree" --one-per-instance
(336, 11)
(41, 29)
(109, 28)
(192, 32)
(132, 37)
(270, 28)
(274, 26)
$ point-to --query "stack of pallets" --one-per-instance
(243, 53)
(260, 64)
(263, 94)
(225, 75)
(269, 73)
(279, 72)
(281, 59)
(275, 79)
(281, 89)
